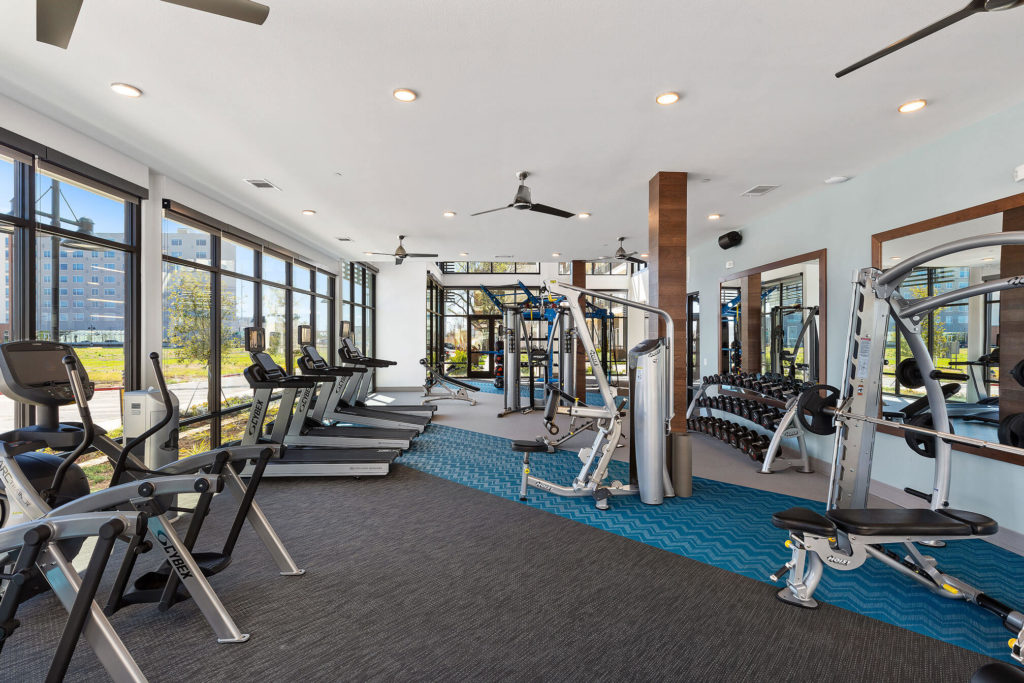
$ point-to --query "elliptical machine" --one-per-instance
(38, 485)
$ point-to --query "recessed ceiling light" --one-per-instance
(583, 215)
(989, 258)
(912, 106)
(126, 90)
(463, 253)
(667, 98)
(896, 258)
(836, 179)
(714, 216)
(404, 95)
(644, 255)
(556, 254)
(308, 212)
(448, 214)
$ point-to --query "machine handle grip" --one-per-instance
(780, 572)
(88, 429)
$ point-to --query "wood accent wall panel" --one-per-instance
(579, 279)
(750, 323)
(666, 236)
(1011, 320)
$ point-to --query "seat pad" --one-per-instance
(535, 446)
(980, 524)
(802, 519)
(897, 522)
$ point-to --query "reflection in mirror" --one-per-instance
(962, 337)
(785, 331)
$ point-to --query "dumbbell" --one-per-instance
(734, 438)
(759, 448)
(769, 417)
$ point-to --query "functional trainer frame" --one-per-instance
(608, 418)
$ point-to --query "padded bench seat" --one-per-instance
(535, 446)
(886, 522)
(898, 522)
(998, 672)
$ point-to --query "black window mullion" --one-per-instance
(214, 371)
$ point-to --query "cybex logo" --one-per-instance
(173, 556)
(254, 421)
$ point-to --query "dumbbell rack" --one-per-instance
(787, 426)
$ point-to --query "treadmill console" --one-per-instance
(33, 372)
(316, 361)
(270, 370)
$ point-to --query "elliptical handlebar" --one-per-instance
(165, 397)
(88, 429)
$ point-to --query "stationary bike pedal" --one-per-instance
(210, 563)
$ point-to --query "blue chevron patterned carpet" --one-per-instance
(729, 526)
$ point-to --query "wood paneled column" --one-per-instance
(579, 279)
(750, 325)
(1011, 320)
(666, 236)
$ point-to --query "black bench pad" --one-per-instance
(980, 524)
(535, 446)
(897, 522)
(998, 673)
(802, 519)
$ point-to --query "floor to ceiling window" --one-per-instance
(358, 305)
(216, 282)
(69, 253)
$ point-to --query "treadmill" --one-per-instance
(356, 392)
(307, 456)
(331, 405)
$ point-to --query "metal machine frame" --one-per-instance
(822, 542)
(608, 427)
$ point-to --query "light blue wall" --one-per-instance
(971, 166)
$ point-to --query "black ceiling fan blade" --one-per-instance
(380, 253)
(55, 21)
(242, 10)
(421, 255)
(501, 208)
(975, 7)
(634, 259)
(551, 211)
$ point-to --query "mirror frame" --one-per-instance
(821, 256)
(998, 206)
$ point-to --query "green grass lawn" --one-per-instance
(105, 365)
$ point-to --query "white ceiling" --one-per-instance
(562, 89)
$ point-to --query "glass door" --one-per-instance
(481, 345)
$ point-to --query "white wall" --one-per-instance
(965, 168)
(402, 322)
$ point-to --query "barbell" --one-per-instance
(825, 413)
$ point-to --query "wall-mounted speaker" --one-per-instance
(730, 240)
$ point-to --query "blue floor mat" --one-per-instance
(729, 526)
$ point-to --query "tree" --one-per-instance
(189, 325)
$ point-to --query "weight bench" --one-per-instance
(455, 389)
(844, 539)
(998, 672)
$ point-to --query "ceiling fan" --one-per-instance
(400, 253)
(622, 255)
(523, 201)
(55, 19)
(975, 7)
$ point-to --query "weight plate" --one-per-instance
(811, 401)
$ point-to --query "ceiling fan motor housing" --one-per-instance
(523, 198)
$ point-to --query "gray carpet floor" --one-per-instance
(412, 577)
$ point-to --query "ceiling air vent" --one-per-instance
(262, 184)
(503, 256)
(344, 239)
(760, 190)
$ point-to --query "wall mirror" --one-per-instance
(773, 319)
(969, 337)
